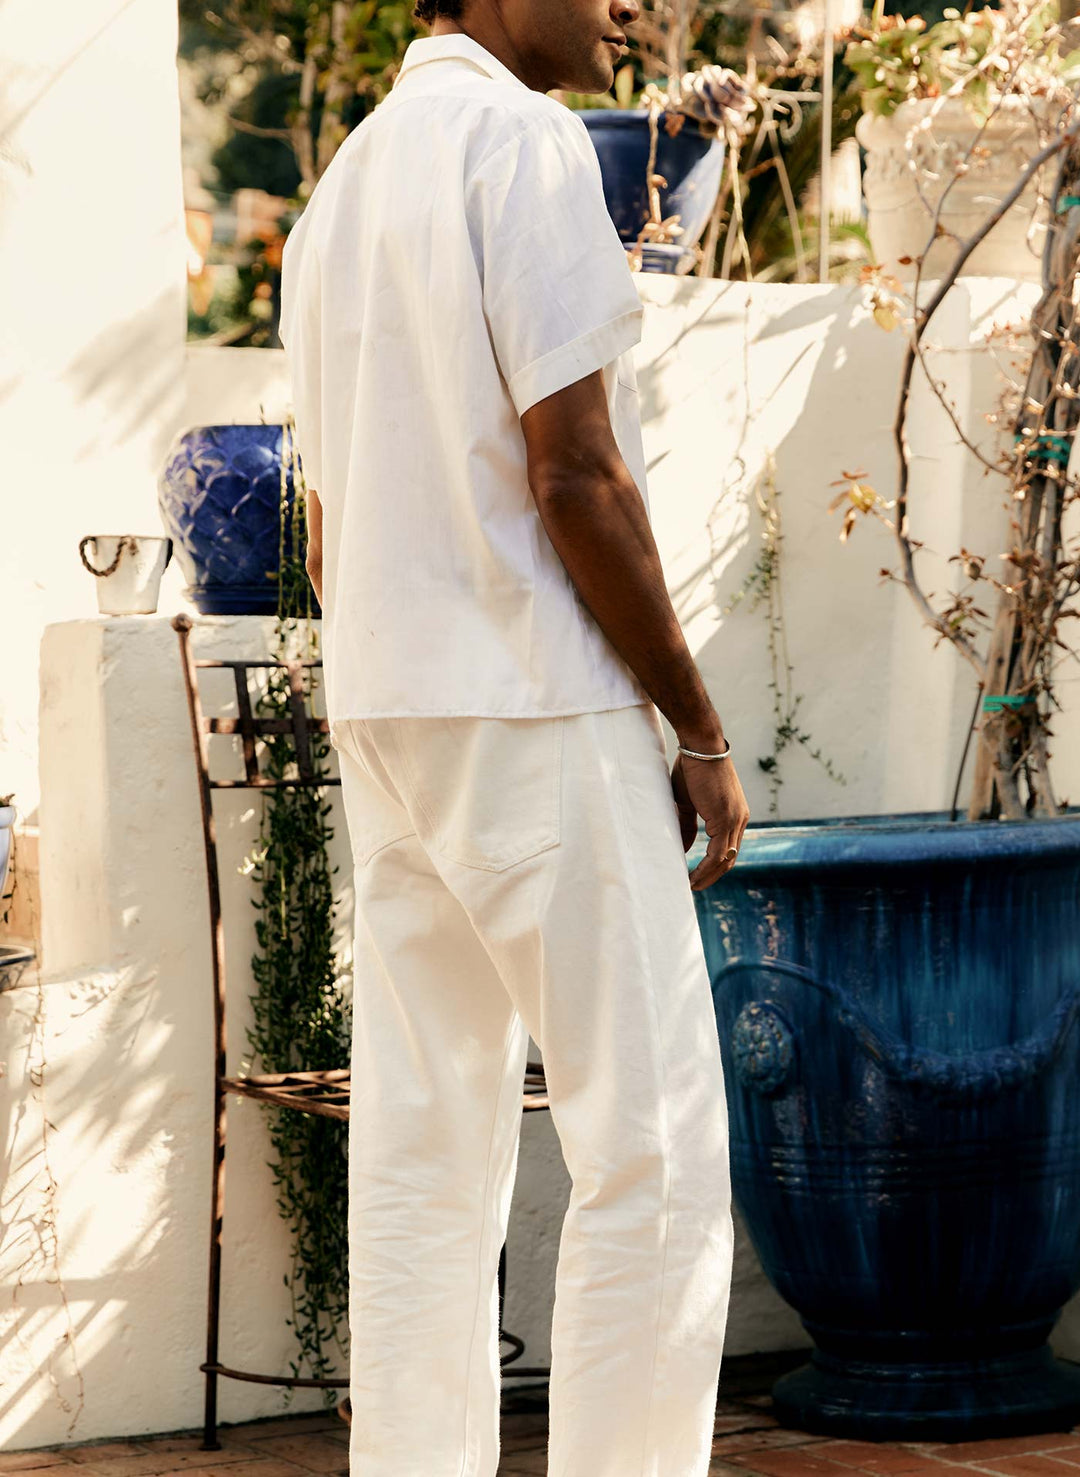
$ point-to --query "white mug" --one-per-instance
(128, 569)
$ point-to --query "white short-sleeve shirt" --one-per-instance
(454, 265)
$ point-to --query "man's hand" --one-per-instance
(710, 789)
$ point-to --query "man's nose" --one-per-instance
(626, 12)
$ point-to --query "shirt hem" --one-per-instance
(443, 712)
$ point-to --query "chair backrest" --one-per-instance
(246, 725)
(249, 728)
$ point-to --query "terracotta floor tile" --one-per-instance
(151, 1463)
(874, 1456)
(100, 1451)
(744, 1421)
(339, 1435)
(232, 1447)
(930, 1466)
(980, 1452)
(276, 1467)
(294, 1425)
(763, 1440)
(251, 1469)
(25, 1461)
(790, 1462)
(1030, 1464)
(315, 1452)
(966, 1469)
(54, 1469)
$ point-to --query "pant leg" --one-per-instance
(591, 926)
(438, 1064)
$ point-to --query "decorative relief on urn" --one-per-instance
(763, 1047)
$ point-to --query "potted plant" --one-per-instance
(662, 162)
(898, 997)
(951, 115)
(226, 493)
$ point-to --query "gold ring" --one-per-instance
(731, 851)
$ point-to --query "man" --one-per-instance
(459, 316)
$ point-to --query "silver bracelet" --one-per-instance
(690, 754)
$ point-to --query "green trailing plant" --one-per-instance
(763, 586)
(301, 1019)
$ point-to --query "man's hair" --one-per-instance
(429, 10)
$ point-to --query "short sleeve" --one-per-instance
(559, 297)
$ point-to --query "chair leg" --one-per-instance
(502, 1283)
(213, 1316)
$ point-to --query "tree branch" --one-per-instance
(923, 318)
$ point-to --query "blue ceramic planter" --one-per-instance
(691, 163)
(219, 495)
(898, 1001)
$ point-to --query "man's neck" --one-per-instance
(487, 31)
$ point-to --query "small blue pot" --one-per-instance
(898, 1001)
(691, 163)
(219, 495)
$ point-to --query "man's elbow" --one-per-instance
(576, 488)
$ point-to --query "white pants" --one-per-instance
(520, 877)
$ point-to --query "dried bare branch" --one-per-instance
(923, 317)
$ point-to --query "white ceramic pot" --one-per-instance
(911, 160)
(127, 569)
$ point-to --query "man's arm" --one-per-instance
(313, 561)
(595, 517)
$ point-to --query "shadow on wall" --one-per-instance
(734, 377)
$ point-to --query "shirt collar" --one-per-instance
(455, 45)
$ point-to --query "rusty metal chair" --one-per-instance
(310, 1091)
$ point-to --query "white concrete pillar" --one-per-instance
(106, 1323)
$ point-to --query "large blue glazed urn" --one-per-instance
(219, 494)
(897, 1003)
(690, 161)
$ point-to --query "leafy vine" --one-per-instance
(302, 1020)
(763, 586)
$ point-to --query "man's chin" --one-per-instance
(600, 79)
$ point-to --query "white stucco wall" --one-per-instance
(92, 258)
(729, 374)
(126, 987)
(125, 1030)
